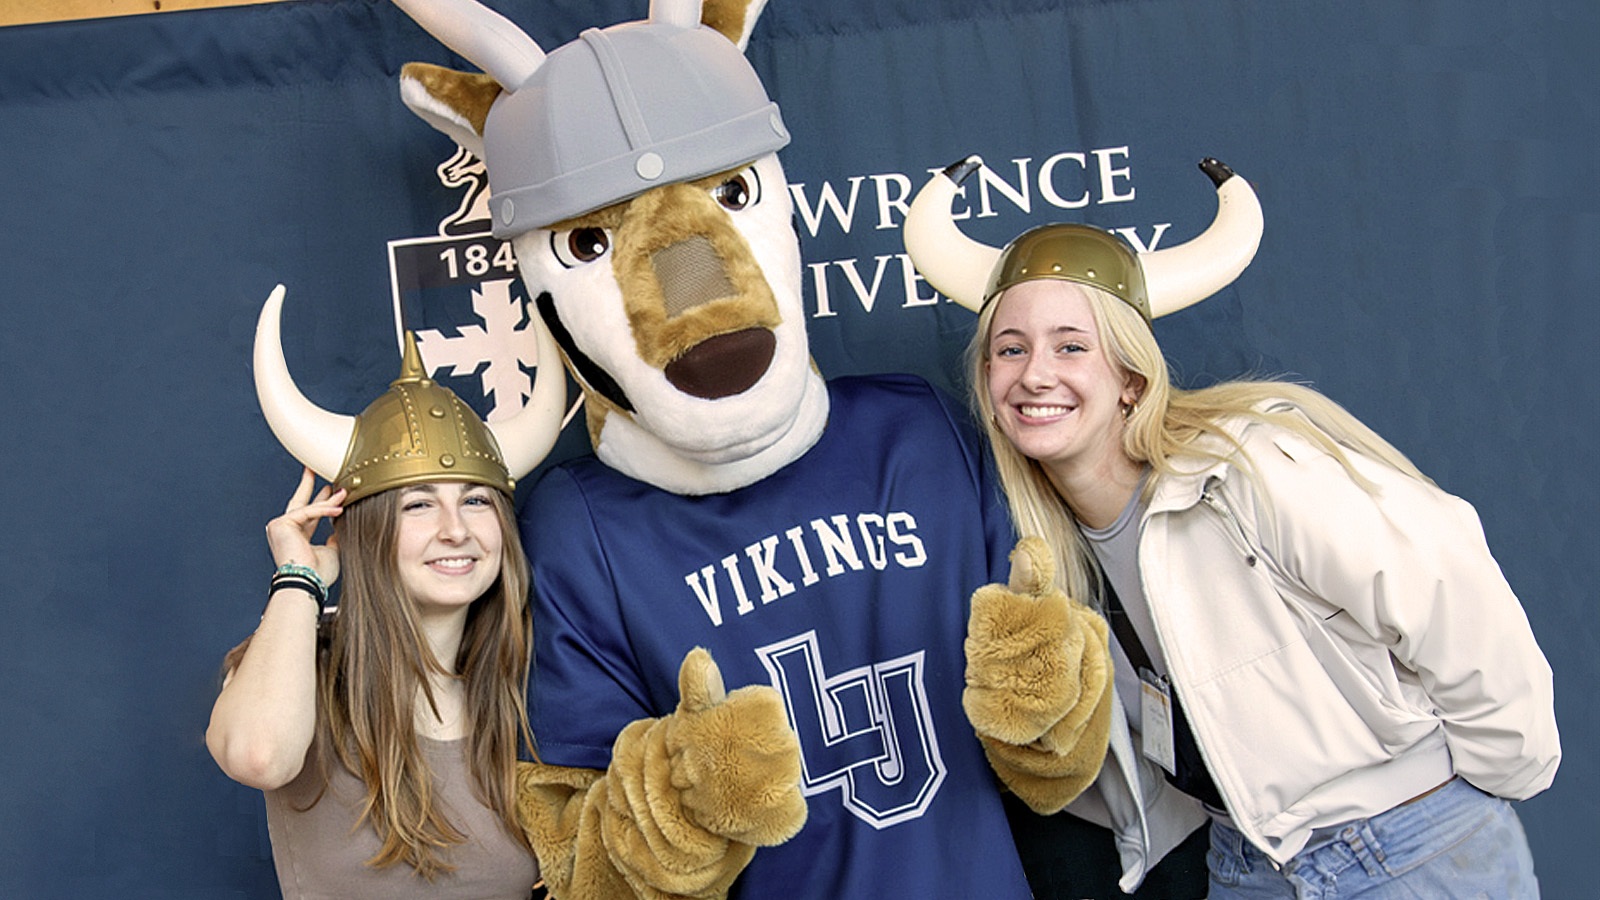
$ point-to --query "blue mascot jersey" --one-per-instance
(843, 580)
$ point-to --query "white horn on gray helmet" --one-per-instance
(606, 117)
(487, 39)
(678, 13)
(1156, 283)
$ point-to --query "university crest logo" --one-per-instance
(459, 291)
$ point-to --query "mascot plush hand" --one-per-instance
(686, 801)
(1038, 682)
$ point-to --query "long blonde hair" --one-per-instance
(1161, 430)
(372, 660)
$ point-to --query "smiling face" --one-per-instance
(1057, 393)
(448, 543)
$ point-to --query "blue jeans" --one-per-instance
(1457, 843)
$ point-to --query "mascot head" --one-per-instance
(634, 171)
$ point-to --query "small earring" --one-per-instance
(1128, 409)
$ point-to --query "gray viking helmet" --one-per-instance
(610, 115)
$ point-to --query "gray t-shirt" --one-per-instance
(321, 855)
(1116, 547)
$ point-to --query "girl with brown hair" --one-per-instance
(385, 732)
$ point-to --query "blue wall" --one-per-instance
(1431, 259)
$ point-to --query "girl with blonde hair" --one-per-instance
(1314, 648)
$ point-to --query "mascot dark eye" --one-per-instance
(741, 191)
(579, 246)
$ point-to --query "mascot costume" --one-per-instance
(818, 539)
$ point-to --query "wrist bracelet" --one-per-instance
(313, 589)
(304, 572)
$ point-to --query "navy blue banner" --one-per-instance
(1427, 171)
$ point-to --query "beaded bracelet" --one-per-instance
(305, 572)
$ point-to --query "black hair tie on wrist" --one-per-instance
(285, 580)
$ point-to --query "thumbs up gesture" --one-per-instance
(1038, 681)
(734, 758)
(683, 806)
(723, 766)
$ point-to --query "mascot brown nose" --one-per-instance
(691, 274)
(724, 365)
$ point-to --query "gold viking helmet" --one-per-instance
(1069, 252)
(1155, 282)
(418, 431)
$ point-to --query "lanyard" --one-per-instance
(1126, 634)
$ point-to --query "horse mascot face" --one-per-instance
(634, 171)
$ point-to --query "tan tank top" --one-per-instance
(319, 857)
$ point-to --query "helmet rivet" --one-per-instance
(649, 166)
(437, 412)
(1089, 272)
(1056, 267)
(447, 460)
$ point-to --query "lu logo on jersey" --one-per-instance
(460, 292)
(867, 732)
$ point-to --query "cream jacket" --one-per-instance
(1338, 652)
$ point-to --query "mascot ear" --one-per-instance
(735, 19)
(456, 103)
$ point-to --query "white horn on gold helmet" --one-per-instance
(1156, 282)
(417, 431)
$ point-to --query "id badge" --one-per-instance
(1155, 705)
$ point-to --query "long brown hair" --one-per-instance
(373, 661)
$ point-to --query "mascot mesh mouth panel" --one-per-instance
(657, 241)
